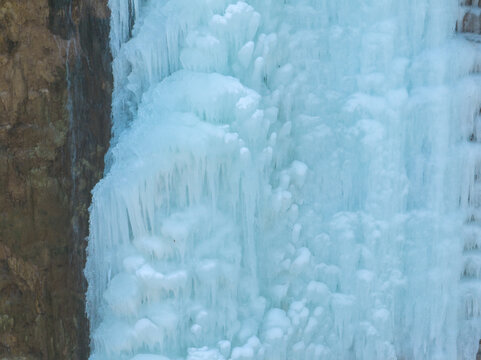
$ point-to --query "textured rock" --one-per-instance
(51, 154)
(470, 19)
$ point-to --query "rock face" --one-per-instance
(55, 88)
(470, 20)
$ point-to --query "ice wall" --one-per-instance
(288, 180)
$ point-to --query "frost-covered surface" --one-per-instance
(288, 180)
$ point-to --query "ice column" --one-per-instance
(288, 180)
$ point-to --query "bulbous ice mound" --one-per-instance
(287, 180)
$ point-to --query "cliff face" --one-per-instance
(55, 88)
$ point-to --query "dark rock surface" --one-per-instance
(470, 21)
(55, 95)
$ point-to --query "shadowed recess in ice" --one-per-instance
(288, 180)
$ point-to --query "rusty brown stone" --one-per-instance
(44, 189)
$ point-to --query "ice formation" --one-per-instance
(289, 180)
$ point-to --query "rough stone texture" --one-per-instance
(51, 154)
(470, 21)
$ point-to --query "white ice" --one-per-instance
(288, 180)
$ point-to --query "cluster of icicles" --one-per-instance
(287, 180)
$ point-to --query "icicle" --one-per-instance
(288, 180)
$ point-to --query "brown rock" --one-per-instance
(50, 158)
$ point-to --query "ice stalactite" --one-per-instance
(288, 180)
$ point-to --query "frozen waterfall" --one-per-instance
(290, 180)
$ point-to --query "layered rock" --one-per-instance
(55, 86)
